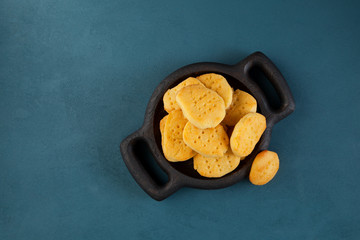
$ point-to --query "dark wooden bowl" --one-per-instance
(182, 173)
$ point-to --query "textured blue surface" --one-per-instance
(75, 78)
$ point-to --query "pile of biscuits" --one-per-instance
(216, 126)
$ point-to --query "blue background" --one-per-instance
(75, 79)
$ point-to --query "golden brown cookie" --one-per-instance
(210, 142)
(174, 148)
(264, 167)
(242, 104)
(203, 107)
(169, 98)
(219, 84)
(162, 124)
(247, 133)
(162, 127)
(216, 167)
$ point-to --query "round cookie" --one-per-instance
(247, 133)
(211, 142)
(216, 167)
(264, 167)
(174, 148)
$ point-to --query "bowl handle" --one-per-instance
(139, 172)
(258, 59)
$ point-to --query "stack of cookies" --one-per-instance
(213, 124)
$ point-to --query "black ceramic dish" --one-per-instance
(182, 174)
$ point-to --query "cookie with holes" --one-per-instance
(219, 84)
(203, 107)
(169, 98)
(210, 142)
(216, 167)
(242, 104)
(174, 148)
(264, 167)
(247, 133)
